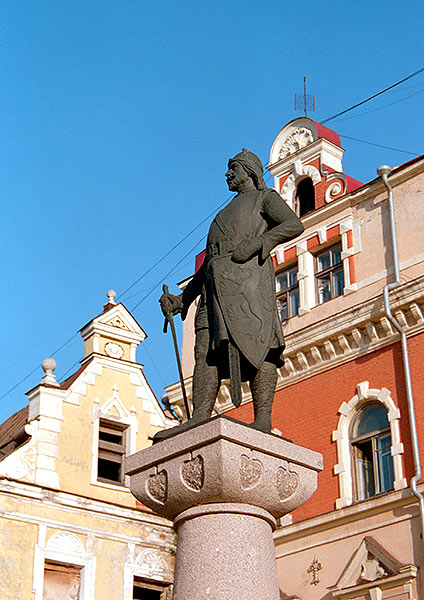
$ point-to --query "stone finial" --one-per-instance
(49, 365)
(111, 295)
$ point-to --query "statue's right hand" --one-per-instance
(170, 303)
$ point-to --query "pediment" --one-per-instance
(369, 563)
(114, 407)
(115, 323)
(120, 318)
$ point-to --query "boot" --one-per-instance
(262, 387)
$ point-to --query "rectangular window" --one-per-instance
(287, 288)
(112, 444)
(61, 581)
(330, 274)
(143, 590)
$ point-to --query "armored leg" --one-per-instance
(262, 387)
(206, 380)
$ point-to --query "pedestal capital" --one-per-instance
(223, 461)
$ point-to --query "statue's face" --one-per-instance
(236, 176)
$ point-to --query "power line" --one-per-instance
(169, 273)
(390, 87)
(379, 145)
(382, 107)
(172, 249)
(37, 367)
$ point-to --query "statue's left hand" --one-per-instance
(246, 249)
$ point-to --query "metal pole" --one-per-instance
(169, 318)
(384, 172)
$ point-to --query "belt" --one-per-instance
(219, 248)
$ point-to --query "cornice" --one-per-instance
(336, 340)
(356, 513)
(83, 504)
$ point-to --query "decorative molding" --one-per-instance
(297, 139)
(371, 570)
(67, 548)
(348, 412)
(149, 563)
(21, 463)
(298, 171)
(346, 333)
(114, 350)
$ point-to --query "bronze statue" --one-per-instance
(237, 326)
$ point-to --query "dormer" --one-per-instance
(306, 162)
(114, 333)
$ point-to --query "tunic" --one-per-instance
(237, 300)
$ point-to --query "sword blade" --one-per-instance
(235, 375)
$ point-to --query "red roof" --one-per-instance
(328, 134)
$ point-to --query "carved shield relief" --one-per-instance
(247, 298)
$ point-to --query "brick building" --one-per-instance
(342, 390)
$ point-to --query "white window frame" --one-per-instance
(65, 548)
(348, 412)
(123, 419)
(148, 564)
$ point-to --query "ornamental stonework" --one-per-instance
(298, 139)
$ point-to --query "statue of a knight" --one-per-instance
(237, 326)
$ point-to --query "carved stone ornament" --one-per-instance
(251, 471)
(117, 322)
(298, 139)
(371, 570)
(114, 350)
(192, 473)
(313, 569)
(287, 483)
(157, 486)
(65, 542)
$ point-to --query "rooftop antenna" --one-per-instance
(304, 101)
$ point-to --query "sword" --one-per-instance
(235, 375)
(169, 318)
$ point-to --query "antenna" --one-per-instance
(304, 101)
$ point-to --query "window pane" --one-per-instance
(365, 470)
(336, 255)
(294, 302)
(338, 281)
(373, 418)
(324, 289)
(323, 261)
(292, 276)
(385, 462)
(281, 282)
(107, 469)
(61, 583)
(283, 308)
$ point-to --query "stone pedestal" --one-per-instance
(224, 485)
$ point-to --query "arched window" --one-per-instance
(369, 449)
(305, 196)
(371, 444)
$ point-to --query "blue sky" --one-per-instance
(117, 118)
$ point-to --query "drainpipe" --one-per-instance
(384, 172)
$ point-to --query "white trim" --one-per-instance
(148, 563)
(67, 548)
(123, 418)
(341, 436)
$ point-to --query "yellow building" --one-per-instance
(71, 530)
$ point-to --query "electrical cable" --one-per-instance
(172, 249)
(390, 87)
(381, 107)
(37, 367)
(379, 145)
(169, 273)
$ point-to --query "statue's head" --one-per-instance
(251, 165)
